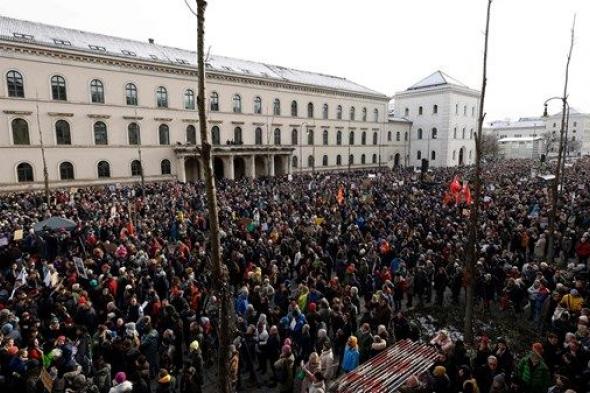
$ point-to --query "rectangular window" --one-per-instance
(23, 36)
(98, 48)
(62, 42)
(128, 53)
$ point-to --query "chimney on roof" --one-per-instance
(151, 40)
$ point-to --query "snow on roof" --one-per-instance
(521, 139)
(64, 38)
(521, 123)
(438, 78)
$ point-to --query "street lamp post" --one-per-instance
(301, 147)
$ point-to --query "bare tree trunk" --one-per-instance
(474, 213)
(219, 274)
(45, 172)
(558, 174)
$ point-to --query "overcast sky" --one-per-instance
(386, 45)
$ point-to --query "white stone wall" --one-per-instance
(81, 114)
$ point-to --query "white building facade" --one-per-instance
(443, 112)
(106, 109)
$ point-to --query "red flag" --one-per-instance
(467, 193)
(455, 186)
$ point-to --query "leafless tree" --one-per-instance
(469, 274)
(489, 146)
(558, 168)
(549, 141)
(219, 273)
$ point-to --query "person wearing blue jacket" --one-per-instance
(351, 355)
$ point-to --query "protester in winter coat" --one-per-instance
(534, 373)
(351, 355)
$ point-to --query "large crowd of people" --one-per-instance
(323, 269)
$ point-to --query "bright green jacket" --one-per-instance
(536, 379)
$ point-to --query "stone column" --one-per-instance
(271, 162)
(229, 167)
(180, 172)
(251, 167)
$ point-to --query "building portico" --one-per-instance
(233, 162)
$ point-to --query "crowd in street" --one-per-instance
(323, 270)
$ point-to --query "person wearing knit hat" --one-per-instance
(121, 384)
(440, 380)
(533, 371)
(351, 355)
(439, 371)
(538, 349)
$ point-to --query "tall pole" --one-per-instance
(349, 145)
(219, 274)
(45, 172)
(140, 160)
(556, 181)
(301, 148)
(472, 248)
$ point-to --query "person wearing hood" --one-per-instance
(351, 355)
(121, 384)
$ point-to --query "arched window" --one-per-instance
(388, 136)
(100, 133)
(214, 102)
(397, 136)
(433, 155)
(24, 172)
(454, 155)
(325, 137)
(352, 113)
(434, 133)
(20, 132)
(237, 103)
(258, 136)
(363, 159)
(338, 160)
(133, 134)
(276, 107)
(455, 133)
(376, 115)
(294, 162)
(363, 138)
(162, 97)
(339, 112)
(277, 136)
(471, 134)
(294, 139)
(418, 155)
(96, 91)
(351, 159)
(215, 137)
(435, 109)
(325, 112)
(310, 137)
(310, 110)
(15, 84)
(165, 168)
(191, 135)
(104, 169)
(310, 162)
(374, 161)
(339, 137)
(66, 171)
(189, 99)
(420, 111)
(419, 133)
(351, 138)
(325, 160)
(463, 134)
(58, 88)
(365, 114)
(164, 134)
(293, 108)
(257, 105)
(135, 168)
(238, 136)
(131, 94)
(375, 138)
(62, 133)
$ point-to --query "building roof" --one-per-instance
(99, 44)
(438, 78)
(521, 123)
(521, 139)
